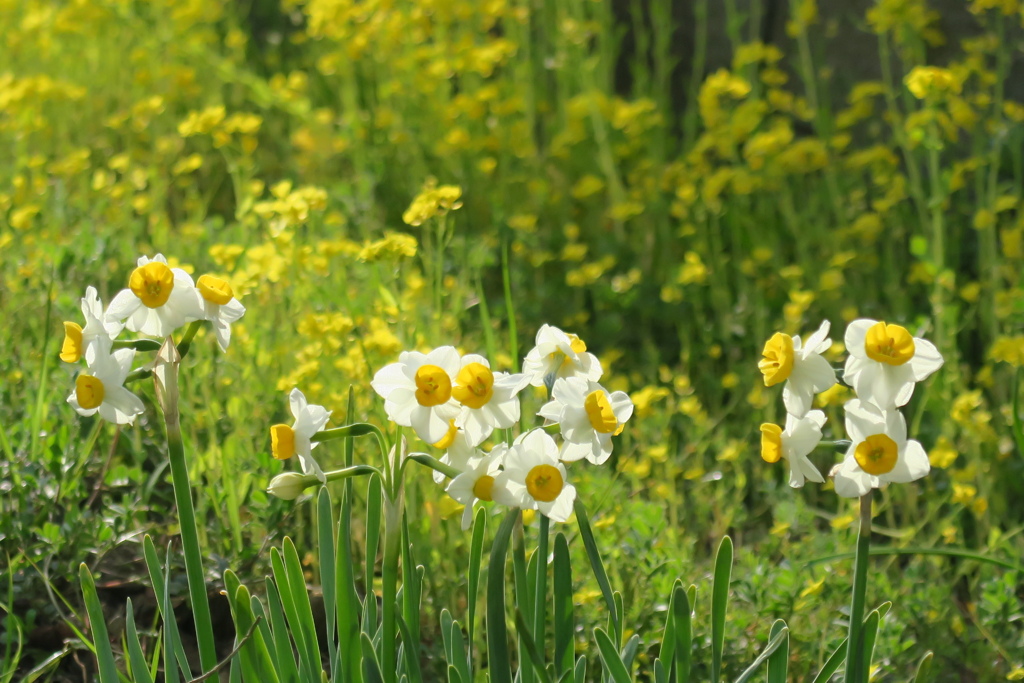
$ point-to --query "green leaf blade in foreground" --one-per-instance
(565, 626)
(610, 657)
(781, 635)
(100, 637)
(832, 664)
(924, 669)
(499, 663)
(587, 533)
(140, 672)
(682, 635)
(778, 662)
(475, 556)
(328, 566)
(720, 604)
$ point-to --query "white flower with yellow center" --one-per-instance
(477, 482)
(100, 387)
(534, 479)
(159, 299)
(801, 436)
(220, 307)
(589, 416)
(800, 366)
(886, 361)
(488, 398)
(458, 451)
(557, 355)
(417, 391)
(879, 451)
(287, 441)
(78, 338)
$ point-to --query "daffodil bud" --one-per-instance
(290, 485)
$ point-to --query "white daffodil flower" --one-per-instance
(219, 306)
(417, 391)
(879, 453)
(534, 479)
(589, 416)
(78, 338)
(488, 399)
(477, 482)
(558, 355)
(459, 451)
(801, 436)
(886, 361)
(100, 387)
(159, 299)
(287, 441)
(800, 366)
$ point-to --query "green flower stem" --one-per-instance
(854, 653)
(357, 429)
(166, 371)
(138, 344)
(434, 464)
(347, 472)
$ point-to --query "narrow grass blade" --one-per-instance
(781, 636)
(374, 510)
(172, 644)
(565, 624)
(587, 533)
(156, 577)
(530, 645)
(412, 586)
(579, 673)
(259, 615)
(719, 605)
(917, 550)
(453, 675)
(412, 651)
(308, 657)
(629, 651)
(100, 638)
(348, 607)
(682, 635)
(832, 664)
(778, 662)
(325, 540)
(286, 665)
(855, 672)
(525, 579)
(613, 664)
(870, 635)
(446, 635)
(924, 669)
(300, 593)
(137, 659)
(540, 588)
(659, 671)
(500, 666)
(476, 550)
(371, 668)
(459, 650)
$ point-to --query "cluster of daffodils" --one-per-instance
(885, 363)
(457, 402)
(158, 300)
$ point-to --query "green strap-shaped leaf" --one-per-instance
(308, 659)
(412, 651)
(781, 636)
(374, 511)
(778, 662)
(870, 635)
(500, 666)
(371, 668)
(530, 645)
(476, 549)
(565, 625)
(101, 640)
(719, 605)
(453, 675)
(587, 533)
(286, 666)
(579, 673)
(326, 534)
(156, 577)
(832, 664)
(459, 652)
(682, 635)
(137, 659)
(924, 669)
(613, 664)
